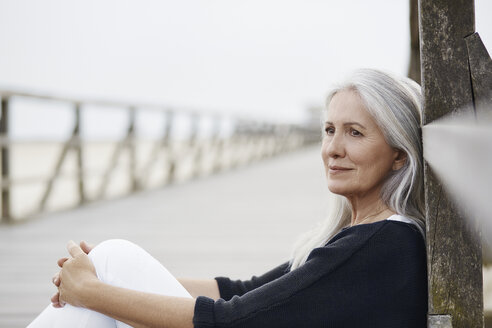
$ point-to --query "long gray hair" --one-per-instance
(394, 103)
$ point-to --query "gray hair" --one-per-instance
(395, 105)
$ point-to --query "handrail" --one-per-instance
(6, 93)
(247, 134)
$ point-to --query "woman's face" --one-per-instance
(357, 158)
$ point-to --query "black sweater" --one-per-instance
(369, 275)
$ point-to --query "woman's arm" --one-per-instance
(80, 286)
(201, 287)
(134, 307)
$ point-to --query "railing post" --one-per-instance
(195, 146)
(80, 161)
(453, 246)
(4, 132)
(171, 161)
(131, 149)
(217, 144)
(238, 142)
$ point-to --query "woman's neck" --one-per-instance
(368, 209)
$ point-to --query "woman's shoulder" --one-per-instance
(397, 229)
(394, 222)
(398, 236)
(387, 240)
(405, 226)
(375, 244)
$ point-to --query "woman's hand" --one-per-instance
(55, 299)
(76, 274)
(79, 286)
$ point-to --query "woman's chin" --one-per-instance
(339, 190)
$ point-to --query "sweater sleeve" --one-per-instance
(229, 288)
(347, 283)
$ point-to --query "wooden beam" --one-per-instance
(71, 143)
(481, 75)
(453, 247)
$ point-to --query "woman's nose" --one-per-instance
(335, 147)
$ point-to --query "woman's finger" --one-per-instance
(56, 279)
(55, 300)
(86, 247)
(61, 261)
(74, 249)
(61, 298)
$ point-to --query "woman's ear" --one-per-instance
(400, 160)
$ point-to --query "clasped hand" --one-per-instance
(75, 274)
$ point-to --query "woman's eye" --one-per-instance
(355, 133)
(329, 130)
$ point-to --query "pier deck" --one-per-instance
(237, 224)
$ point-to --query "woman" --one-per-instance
(364, 267)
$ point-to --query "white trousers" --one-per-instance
(119, 263)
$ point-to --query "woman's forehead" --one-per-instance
(347, 106)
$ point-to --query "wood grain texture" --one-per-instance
(481, 76)
(454, 249)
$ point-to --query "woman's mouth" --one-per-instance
(338, 169)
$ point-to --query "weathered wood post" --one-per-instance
(414, 64)
(4, 132)
(171, 155)
(80, 160)
(194, 145)
(217, 143)
(131, 141)
(481, 76)
(453, 246)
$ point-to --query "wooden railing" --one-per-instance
(248, 141)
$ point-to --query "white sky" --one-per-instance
(267, 58)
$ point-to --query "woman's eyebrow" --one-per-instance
(346, 124)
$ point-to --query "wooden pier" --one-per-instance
(237, 224)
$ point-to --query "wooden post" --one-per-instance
(217, 144)
(131, 149)
(414, 65)
(453, 246)
(171, 160)
(4, 132)
(78, 149)
(194, 145)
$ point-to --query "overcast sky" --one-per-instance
(268, 58)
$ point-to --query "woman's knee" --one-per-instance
(111, 246)
(122, 263)
(114, 256)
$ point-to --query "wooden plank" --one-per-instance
(120, 146)
(453, 248)
(103, 103)
(481, 76)
(49, 185)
